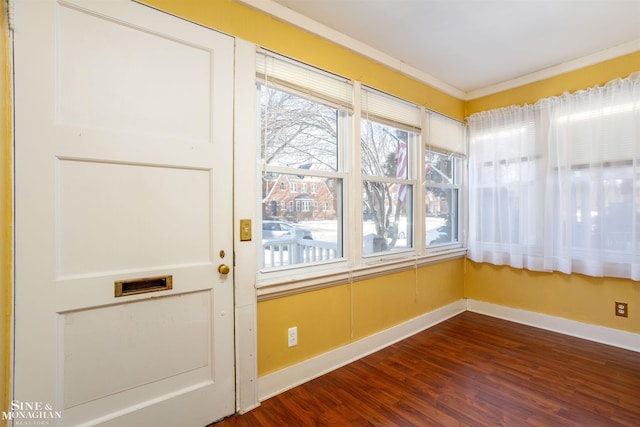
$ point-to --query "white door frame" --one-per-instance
(245, 196)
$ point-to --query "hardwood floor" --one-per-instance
(471, 370)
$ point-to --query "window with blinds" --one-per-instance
(304, 122)
(389, 137)
(443, 168)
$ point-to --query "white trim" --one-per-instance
(277, 382)
(296, 19)
(311, 278)
(292, 376)
(556, 70)
(244, 131)
(600, 334)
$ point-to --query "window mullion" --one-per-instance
(387, 179)
(294, 171)
(353, 216)
(419, 210)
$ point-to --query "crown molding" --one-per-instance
(298, 20)
(585, 61)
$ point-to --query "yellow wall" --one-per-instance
(583, 78)
(336, 316)
(5, 209)
(576, 297)
(332, 317)
(248, 24)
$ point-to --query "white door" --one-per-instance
(123, 133)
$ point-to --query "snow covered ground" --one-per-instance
(327, 231)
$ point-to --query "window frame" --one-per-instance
(414, 139)
(458, 173)
(388, 110)
(269, 274)
(353, 262)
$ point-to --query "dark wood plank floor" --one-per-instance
(471, 370)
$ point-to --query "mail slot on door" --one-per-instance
(123, 288)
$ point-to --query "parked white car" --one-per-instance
(280, 229)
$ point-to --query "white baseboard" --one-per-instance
(276, 382)
(601, 334)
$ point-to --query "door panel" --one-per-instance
(128, 342)
(129, 225)
(123, 171)
(174, 102)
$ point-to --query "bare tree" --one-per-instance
(379, 158)
(297, 132)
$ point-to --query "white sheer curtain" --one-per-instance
(556, 185)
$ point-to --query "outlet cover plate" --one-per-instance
(292, 336)
(622, 309)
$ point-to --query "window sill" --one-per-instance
(314, 280)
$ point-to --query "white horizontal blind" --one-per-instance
(445, 134)
(379, 106)
(278, 70)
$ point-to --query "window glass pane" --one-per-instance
(442, 198)
(384, 150)
(299, 136)
(609, 188)
(304, 233)
(439, 167)
(387, 190)
(386, 223)
(297, 132)
(441, 222)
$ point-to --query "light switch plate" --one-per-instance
(245, 230)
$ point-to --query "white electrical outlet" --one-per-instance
(292, 336)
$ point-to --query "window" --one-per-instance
(590, 225)
(304, 115)
(556, 185)
(442, 198)
(444, 168)
(307, 133)
(389, 133)
(506, 188)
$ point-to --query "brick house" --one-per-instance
(296, 198)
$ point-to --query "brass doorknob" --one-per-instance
(223, 269)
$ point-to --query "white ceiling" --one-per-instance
(471, 48)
